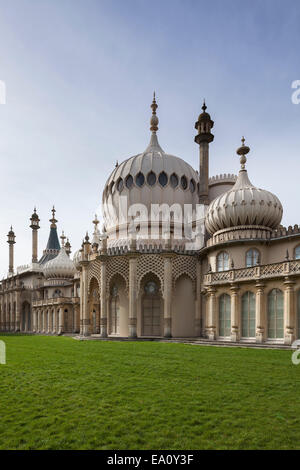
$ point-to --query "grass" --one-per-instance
(58, 393)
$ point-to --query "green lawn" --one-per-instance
(59, 393)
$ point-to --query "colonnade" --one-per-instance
(260, 290)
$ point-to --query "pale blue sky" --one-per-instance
(80, 76)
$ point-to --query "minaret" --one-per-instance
(63, 237)
(53, 245)
(68, 247)
(203, 138)
(11, 240)
(35, 227)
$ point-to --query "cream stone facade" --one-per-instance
(233, 275)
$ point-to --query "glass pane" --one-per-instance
(183, 182)
(140, 179)
(151, 178)
(174, 180)
(163, 179)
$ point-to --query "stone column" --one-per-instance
(54, 326)
(260, 313)
(38, 320)
(61, 320)
(103, 318)
(34, 321)
(12, 312)
(198, 305)
(45, 326)
(76, 318)
(235, 314)
(18, 308)
(132, 326)
(49, 321)
(85, 298)
(211, 313)
(289, 312)
(167, 296)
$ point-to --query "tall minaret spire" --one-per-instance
(35, 227)
(203, 138)
(11, 240)
(154, 119)
(53, 220)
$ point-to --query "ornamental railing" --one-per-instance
(257, 272)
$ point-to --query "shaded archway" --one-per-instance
(183, 307)
(94, 307)
(118, 306)
(25, 317)
(151, 306)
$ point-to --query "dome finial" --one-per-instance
(242, 151)
(154, 118)
(204, 107)
(53, 220)
(63, 237)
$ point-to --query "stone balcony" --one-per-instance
(267, 271)
(55, 301)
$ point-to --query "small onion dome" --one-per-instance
(204, 116)
(61, 267)
(77, 258)
(243, 205)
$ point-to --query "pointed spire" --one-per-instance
(63, 237)
(53, 220)
(242, 151)
(154, 119)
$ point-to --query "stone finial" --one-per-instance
(154, 119)
(63, 237)
(53, 219)
(242, 151)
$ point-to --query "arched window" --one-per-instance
(140, 179)
(120, 184)
(174, 180)
(192, 186)
(183, 182)
(223, 261)
(248, 315)
(297, 252)
(252, 257)
(163, 179)
(275, 314)
(151, 178)
(224, 315)
(114, 311)
(129, 181)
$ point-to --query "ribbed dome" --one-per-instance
(77, 259)
(151, 177)
(61, 267)
(243, 204)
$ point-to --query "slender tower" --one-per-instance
(203, 139)
(11, 240)
(35, 227)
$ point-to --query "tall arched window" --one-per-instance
(224, 315)
(275, 314)
(114, 312)
(248, 315)
(223, 261)
(252, 257)
(297, 252)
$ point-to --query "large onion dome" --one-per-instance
(61, 267)
(243, 204)
(151, 177)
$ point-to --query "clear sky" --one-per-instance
(79, 80)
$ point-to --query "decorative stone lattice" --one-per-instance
(150, 264)
(94, 271)
(117, 265)
(184, 265)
